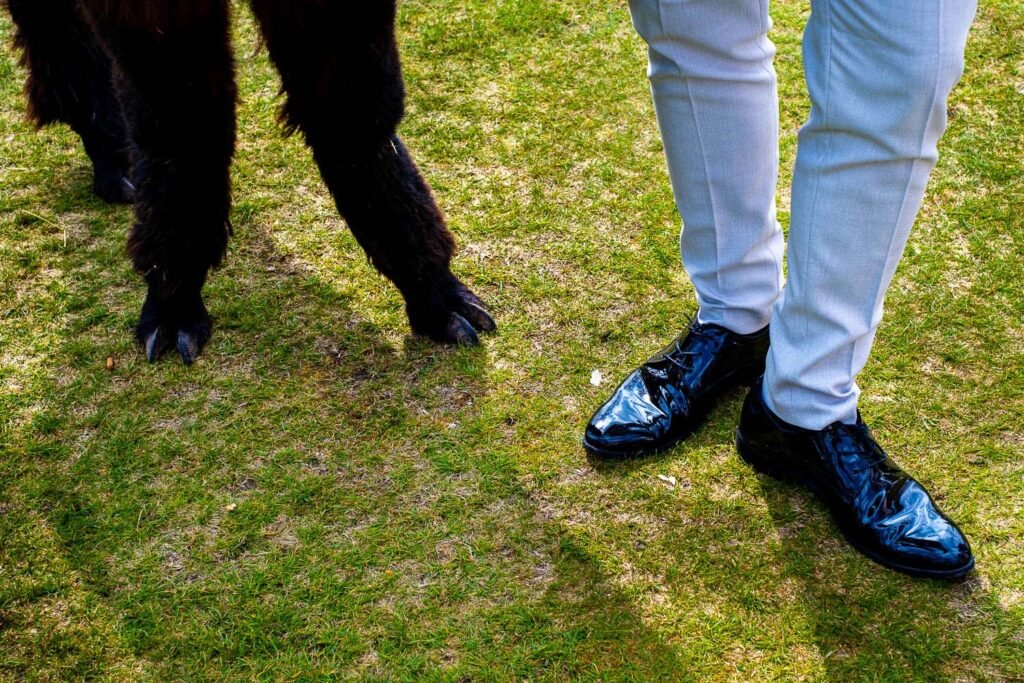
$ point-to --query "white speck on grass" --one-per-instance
(596, 378)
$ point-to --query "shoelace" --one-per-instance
(700, 338)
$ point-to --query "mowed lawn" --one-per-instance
(323, 496)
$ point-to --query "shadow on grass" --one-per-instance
(286, 344)
(792, 574)
(598, 628)
(870, 622)
(289, 338)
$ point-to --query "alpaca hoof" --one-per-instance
(127, 190)
(460, 331)
(154, 343)
(185, 328)
(472, 309)
(188, 347)
(114, 189)
(450, 314)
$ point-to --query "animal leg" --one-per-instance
(174, 76)
(340, 69)
(69, 81)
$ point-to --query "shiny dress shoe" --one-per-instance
(669, 396)
(881, 511)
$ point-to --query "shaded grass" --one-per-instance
(324, 496)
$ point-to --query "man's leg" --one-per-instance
(878, 74)
(714, 91)
(715, 95)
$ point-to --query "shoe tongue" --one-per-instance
(857, 428)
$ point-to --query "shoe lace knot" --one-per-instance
(700, 339)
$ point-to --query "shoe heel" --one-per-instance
(749, 376)
(760, 462)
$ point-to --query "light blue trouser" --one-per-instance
(878, 73)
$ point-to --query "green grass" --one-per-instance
(324, 496)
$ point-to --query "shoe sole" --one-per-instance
(606, 454)
(744, 377)
(766, 465)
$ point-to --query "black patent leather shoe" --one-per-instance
(667, 398)
(882, 512)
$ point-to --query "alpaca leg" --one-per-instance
(174, 76)
(340, 69)
(69, 80)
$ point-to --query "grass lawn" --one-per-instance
(324, 496)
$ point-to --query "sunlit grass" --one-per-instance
(324, 496)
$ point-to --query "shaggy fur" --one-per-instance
(155, 79)
(69, 81)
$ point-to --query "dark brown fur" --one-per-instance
(155, 79)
